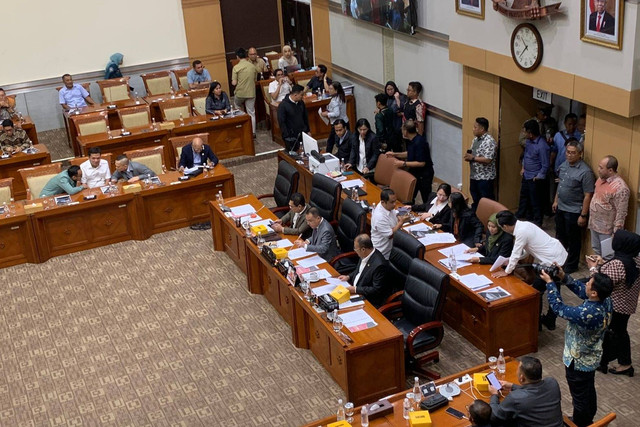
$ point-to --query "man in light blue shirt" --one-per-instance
(73, 95)
(198, 75)
(560, 141)
(64, 182)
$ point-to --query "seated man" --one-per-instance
(95, 171)
(479, 414)
(534, 403)
(279, 88)
(64, 182)
(343, 139)
(319, 80)
(73, 95)
(195, 154)
(130, 171)
(323, 238)
(13, 140)
(368, 277)
(295, 221)
(198, 75)
(7, 105)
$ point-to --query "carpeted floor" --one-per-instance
(163, 332)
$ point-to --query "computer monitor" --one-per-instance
(309, 143)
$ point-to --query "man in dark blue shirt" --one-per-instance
(535, 165)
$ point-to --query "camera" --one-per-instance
(551, 270)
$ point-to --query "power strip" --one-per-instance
(463, 380)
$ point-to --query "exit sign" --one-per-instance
(542, 95)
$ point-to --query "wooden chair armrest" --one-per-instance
(391, 309)
(264, 196)
(567, 421)
(425, 327)
(342, 256)
(394, 297)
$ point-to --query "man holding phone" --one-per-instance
(535, 402)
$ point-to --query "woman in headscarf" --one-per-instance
(624, 271)
(497, 243)
(113, 67)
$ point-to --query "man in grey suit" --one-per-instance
(536, 402)
(130, 171)
(295, 221)
(323, 238)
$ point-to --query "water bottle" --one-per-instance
(220, 198)
(417, 394)
(406, 408)
(502, 365)
(260, 242)
(364, 416)
(173, 93)
(137, 98)
(341, 165)
(453, 264)
(109, 133)
(340, 412)
(354, 193)
(153, 123)
(181, 120)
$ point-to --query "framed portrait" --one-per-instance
(473, 8)
(602, 22)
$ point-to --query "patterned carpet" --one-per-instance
(164, 333)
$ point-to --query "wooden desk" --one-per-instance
(9, 168)
(350, 365)
(510, 323)
(319, 130)
(17, 241)
(438, 417)
(153, 101)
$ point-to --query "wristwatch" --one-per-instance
(583, 215)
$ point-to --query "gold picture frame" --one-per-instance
(473, 8)
(604, 24)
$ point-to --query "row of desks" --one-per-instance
(9, 167)
(38, 236)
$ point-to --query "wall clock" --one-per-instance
(526, 47)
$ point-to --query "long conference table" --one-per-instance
(35, 236)
(510, 323)
(9, 167)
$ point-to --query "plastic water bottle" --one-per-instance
(453, 264)
(502, 365)
(340, 412)
(354, 194)
(341, 165)
(109, 133)
(364, 416)
(181, 120)
(153, 123)
(137, 98)
(417, 394)
(220, 198)
(406, 408)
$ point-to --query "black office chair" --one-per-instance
(352, 222)
(325, 196)
(417, 313)
(405, 249)
(286, 184)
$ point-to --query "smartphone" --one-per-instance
(469, 151)
(455, 413)
(491, 377)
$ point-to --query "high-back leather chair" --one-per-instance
(325, 196)
(6, 190)
(157, 83)
(113, 90)
(352, 222)
(181, 77)
(385, 166)
(36, 177)
(152, 157)
(199, 101)
(91, 123)
(417, 313)
(286, 184)
(405, 249)
(403, 184)
(486, 208)
(136, 116)
(172, 108)
(177, 142)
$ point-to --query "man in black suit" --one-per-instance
(196, 153)
(343, 139)
(323, 238)
(601, 21)
(368, 277)
(293, 118)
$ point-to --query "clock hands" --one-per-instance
(523, 51)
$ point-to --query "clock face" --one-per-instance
(526, 47)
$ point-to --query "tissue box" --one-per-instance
(280, 253)
(259, 229)
(32, 207)
(340, 294)
(131, 188)
(167, 125)
(480, 381)
(419, 419)
(342, 423)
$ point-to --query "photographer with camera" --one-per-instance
(583, 336)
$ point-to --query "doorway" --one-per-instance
(297, 31)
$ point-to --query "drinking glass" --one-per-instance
(493, 363)
(247, 228)
(349, 411)
(337, 323)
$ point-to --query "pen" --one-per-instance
(300, 236)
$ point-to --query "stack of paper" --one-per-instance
(437, 238)
(320, 274)
(322, 290)
(299, 253)
(243, 210)
(421, 226)
(284, 243)
(357, 320)
(310, 262)
(459, 251)
(475, 281)
(459, 264)
(352, 183)
(350, 304)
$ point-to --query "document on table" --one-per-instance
(475, 281)
(421, 226)
(357, 320)
(336, 281)
(459, 251)
(310, 262)
(265, 222)
(352, 183)
(243, 210)
(299, 253)
(187, 171)
(256, 219)
(323, 290)
(499, 263)
(459, 264)
(349, 304)
(494, 294)
(437, 238)
(284, 243)
(320, 274)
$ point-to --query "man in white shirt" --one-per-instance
(368, 277)
(385, 221)
(279, 88)
(95, 171)
(531, 240)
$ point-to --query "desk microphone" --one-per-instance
(317, 156)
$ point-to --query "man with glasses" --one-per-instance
(368, 277)
(294, 222)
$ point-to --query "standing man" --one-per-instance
(323, 238)
(417, 159)
(571, 204)
(66, 182)
(319, 81)
(195, 154)
(560, 141)
(295, 221)
(13, 140)
(535, 165)
(609, 204)
(95, 171)
(279, 88)
(384, 119)
(368, 277)
(385, 221)
(415, 109)
(343, 140)
(73, 95)
(482, 162)
(256, 61)
(293, 118)
(243, 77)
(198, 75)
(586, 325)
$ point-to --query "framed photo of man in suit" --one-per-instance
(473, 8)
(602, 22)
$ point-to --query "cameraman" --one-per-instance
(583, 337)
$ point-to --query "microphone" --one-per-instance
(317, 156)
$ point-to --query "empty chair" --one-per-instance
(152, 157)
(177, 142)
(113, 90)
(403, 184)
(385, 166)
(417, 313)
(171, 109)
(181, 77)
(35, 178)
(486, 208)
(6, 190)
(352, 222)
(325, 195)
(157, 83)
(199, 101)
(91, 123)
(272, 60)
(286, 184)
(405, 249)
(135, 116)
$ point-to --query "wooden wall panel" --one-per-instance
(321, 32)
